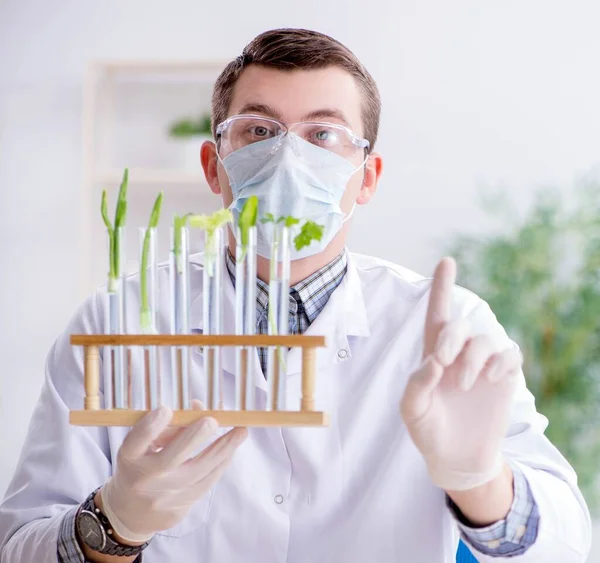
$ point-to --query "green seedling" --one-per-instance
(114, 231)
(145, 313)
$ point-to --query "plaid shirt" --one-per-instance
(307, 298)
(511, 536)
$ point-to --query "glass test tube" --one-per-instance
(148, 316)
(245, 318)
(115, 368)
(180, 315)
(212, 315)
(278, 317)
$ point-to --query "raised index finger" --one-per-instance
(440, 302)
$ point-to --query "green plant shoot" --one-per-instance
(145, 313)
(246, 221)
(114, 236)
(308, 232)
(210, 223)
(179, 223)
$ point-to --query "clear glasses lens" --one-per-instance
(336, 139)
(240, 132)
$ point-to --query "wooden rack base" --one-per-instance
(128, 417)
(93, 415)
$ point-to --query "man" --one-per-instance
(433, 432)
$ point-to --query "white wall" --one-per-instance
(475, 92)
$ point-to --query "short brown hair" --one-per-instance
(290, 49)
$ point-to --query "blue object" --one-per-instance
(463, 555)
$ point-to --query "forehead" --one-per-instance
(296, 94)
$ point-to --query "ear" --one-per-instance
(373, 170)
(210, 162)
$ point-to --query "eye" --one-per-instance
(323, 136)
(259, 131)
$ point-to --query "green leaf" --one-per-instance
(121, 210)
(104, 211)
(112, 274)
(291, 221)
(268, 218)
(248, 218)
(310, 231)
(144, 302)
(155, 215)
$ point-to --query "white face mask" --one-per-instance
(299, 179)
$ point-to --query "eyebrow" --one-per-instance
(327, 113)
(264, 109)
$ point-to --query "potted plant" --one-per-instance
(541, 277)
(190, 133)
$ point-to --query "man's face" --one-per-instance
(326, 95)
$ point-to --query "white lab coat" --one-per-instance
(355, 492)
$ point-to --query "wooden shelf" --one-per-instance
(171, 66)
(102, 93)
(186, 417)
(151, 176)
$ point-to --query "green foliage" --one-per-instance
(189, 127)
(113, 230)
(211, 223)
(308, 232)
(541, 277)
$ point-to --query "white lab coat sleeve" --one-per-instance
(564, 533)
(60, 464)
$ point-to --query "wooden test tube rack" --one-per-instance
(93, 415)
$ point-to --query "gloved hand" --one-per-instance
(456, 405)
(156, 481)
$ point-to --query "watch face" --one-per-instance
(91, 531)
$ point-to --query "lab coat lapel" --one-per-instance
(344, 315)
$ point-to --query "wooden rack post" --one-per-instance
(309, 362)
(91, 371)
(93, 415)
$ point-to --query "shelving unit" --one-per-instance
(127, 107)
(150, 176)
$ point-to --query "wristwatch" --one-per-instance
(95, 531)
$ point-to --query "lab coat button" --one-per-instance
(521, 532)
(278, 499)
(494, 544)
(342, 353)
